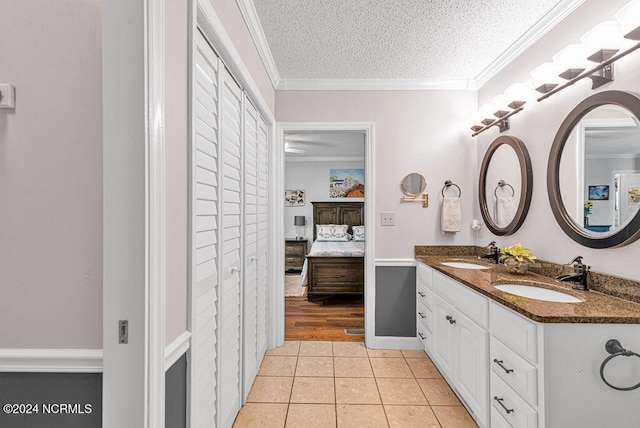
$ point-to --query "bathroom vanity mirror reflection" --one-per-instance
(505, 185)
(594, 171)
(413, 184)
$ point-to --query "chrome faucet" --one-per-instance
(579, 275)
(494, 254)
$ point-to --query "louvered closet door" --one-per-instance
(250, 319)
(231, 249)
(204, 234)
(262, 274)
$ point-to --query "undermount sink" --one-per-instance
(464, 265)
(537, 293)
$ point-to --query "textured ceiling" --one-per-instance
(393, 39)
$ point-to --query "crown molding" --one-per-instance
(373, 85)
(325, 159)
(532, 35)
(250, 15)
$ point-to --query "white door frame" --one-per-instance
(369, 218)
(133, 213)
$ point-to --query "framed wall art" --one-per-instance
(294, 198)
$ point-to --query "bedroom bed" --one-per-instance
(335, 268)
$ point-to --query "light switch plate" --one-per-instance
(7, 95)
(388, 218)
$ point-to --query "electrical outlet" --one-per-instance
(388, 218)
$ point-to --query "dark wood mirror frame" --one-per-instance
(526, 180)
(625, 235)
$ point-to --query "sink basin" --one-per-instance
(537, 293)
(464, 265)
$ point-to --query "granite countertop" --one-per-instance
(596, 307)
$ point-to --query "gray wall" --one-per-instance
(176, 395)
(52, 390)
(396, 301)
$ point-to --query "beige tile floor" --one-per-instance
(343, 384)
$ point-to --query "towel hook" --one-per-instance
(501, 185)
(448, 184)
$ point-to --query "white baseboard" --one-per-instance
(176, 349)
(393, 342)
(51, 360)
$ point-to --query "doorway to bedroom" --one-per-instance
(324, 180)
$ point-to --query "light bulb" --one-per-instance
(487, 110)
(571, 61)
(604, 40)
(545, 77)
(519, 94)
(629, 18)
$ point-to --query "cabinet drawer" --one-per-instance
(424, 296)
(517, 332)
(467, 301)
(425, 316)
(497, 421)
(514, 370)
(294, 250)
(293, 262)
(424, 274)
(509, 404)
(425, 337)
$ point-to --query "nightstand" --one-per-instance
(294, 252)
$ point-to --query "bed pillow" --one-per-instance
(332, 232)
(358, 233)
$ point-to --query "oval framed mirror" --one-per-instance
(413, 184)
(593, 175)
(505, 185)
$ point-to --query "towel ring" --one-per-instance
(614, 347)
(501, 185)
(448, 184)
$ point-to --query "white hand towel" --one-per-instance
(451, 215)
(505, 210)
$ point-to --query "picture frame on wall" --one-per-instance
(599, 193)
(294, 198)
(633, 195)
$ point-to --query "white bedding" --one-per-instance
(332, 249)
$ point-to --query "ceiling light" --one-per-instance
(629, 18)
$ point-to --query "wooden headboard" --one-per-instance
(351, 213)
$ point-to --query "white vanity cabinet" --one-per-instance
(457, 339)
(511, 371)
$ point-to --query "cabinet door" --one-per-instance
(249, 295)
(471, 371)
(442, 348)
(231, 250)
(262, 270)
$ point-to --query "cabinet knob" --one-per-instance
(421, 315)
(499, 400)
(500, 362)
(253, 258)
(234, 269)
(421, 294)
(450, 319)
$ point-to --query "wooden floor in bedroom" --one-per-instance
(325, 320)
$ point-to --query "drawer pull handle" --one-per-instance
(421, 315)
(289, 259)
(499, 362)
(499, 400)
(422, 294)
(422, 336)
(450, 319)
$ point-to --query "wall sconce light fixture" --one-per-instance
(604, 44)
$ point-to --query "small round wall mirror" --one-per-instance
(505, 185)
(413, 184)
(593, 176)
